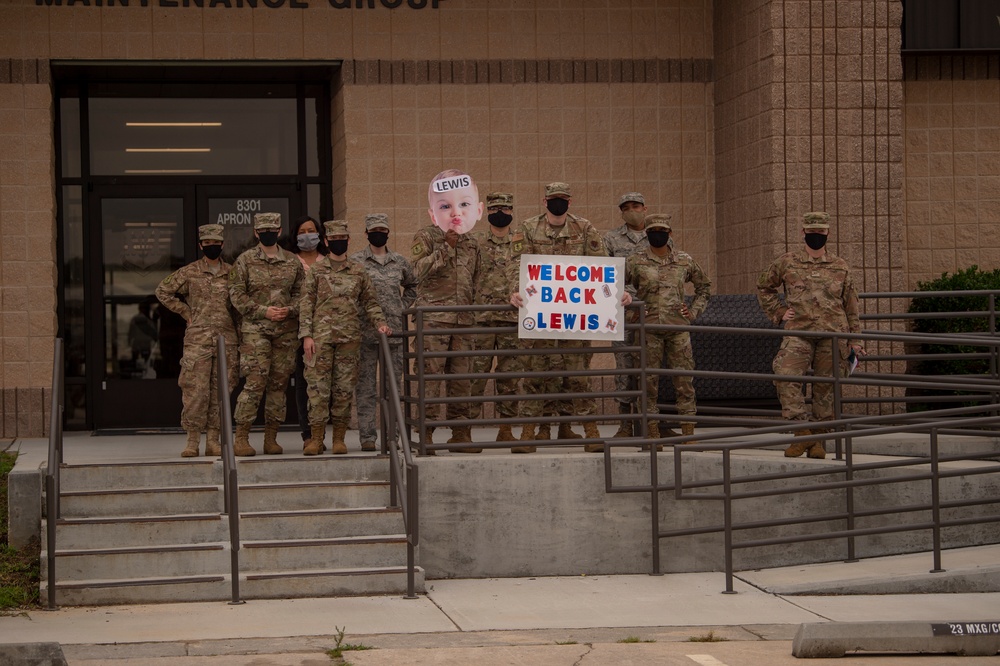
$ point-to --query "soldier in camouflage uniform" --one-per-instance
(264, 287)
(657, 276)
(396, 285)
(447, 268)
(199, 293)
(557, 232)
(498, 247)
(624, 241)
(819, 296)
(335, 291)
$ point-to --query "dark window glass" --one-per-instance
(74, 314)
(951, 24)
(69, 136)
(191, 137)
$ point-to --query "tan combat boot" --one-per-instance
(591, 432)
(527, 435)
(314, 445)
(653, 427)
(462, 435)
(338, 446)
(818, 448)
(271, 447)
(428, 438)
(505, 435)
(212, 445)
(544, 433)
(368, 445)
(687, 429)
(193, 440)
(796, 449)
(626, 427)
(241, 442)
(566, 432)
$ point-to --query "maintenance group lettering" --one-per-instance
(569, 297)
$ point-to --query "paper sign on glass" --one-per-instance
(571, 298)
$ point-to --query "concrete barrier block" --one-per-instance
(32, 654)
(835, 639)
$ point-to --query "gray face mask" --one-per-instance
(307, 241)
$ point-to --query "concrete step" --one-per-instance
(271, 585)
(318, 554)
(106, 563)
(330, 583)
(114, 476)
(140, 591)
(132, 502)
(297, 469)
(91, 533)
(325, 523)
(317, 495)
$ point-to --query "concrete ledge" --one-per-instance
(32, 654)
(971, 638)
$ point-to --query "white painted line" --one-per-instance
(705, 660)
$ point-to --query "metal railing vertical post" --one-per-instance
(53, 508)
(413, 505)
(849, 499)
(654, 476)
(837, 388)
(936, 501)
(994, 351)
(727, 509)
(421, 382)
(230, 481)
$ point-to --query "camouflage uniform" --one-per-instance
(446, 276)
(389, 277)
(577, 237)
(824, 298)
(334, 294)
(497, 252)
(267, 349)
(624, 242)
(201, 297)
(659, 282)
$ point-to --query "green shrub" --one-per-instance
(971, 279)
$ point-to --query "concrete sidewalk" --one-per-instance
(476, 613)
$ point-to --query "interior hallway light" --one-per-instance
(163, 171)
(168, 150)
(173, 124)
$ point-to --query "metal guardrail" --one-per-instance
(404, 474)
(53, 510)
(230, 479)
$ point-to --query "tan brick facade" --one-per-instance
(736, 116)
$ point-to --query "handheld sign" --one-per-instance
(572, 298)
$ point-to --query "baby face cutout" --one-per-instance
(454, 203)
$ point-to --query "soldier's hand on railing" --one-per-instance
(626, 299)
(516, 300)
(385, 329)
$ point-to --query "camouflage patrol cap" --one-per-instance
(557, 190)
(499, 199)
(376, 221)
(816, 221)
(335, 228)
(266, 221)
(211, 232)
(658, 221)
(631, 196)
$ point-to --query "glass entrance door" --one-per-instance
(142, 235)
(141, 241)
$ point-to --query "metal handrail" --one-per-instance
(53, 508)
(403, 470)
(230, 480)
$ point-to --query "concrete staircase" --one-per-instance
(155, 532)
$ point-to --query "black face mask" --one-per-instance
(557, 207)
(815, 241)
(267, 238)
(378, 238)
(337, 247)
(212, 251)
(658, 238)
(500, 219)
